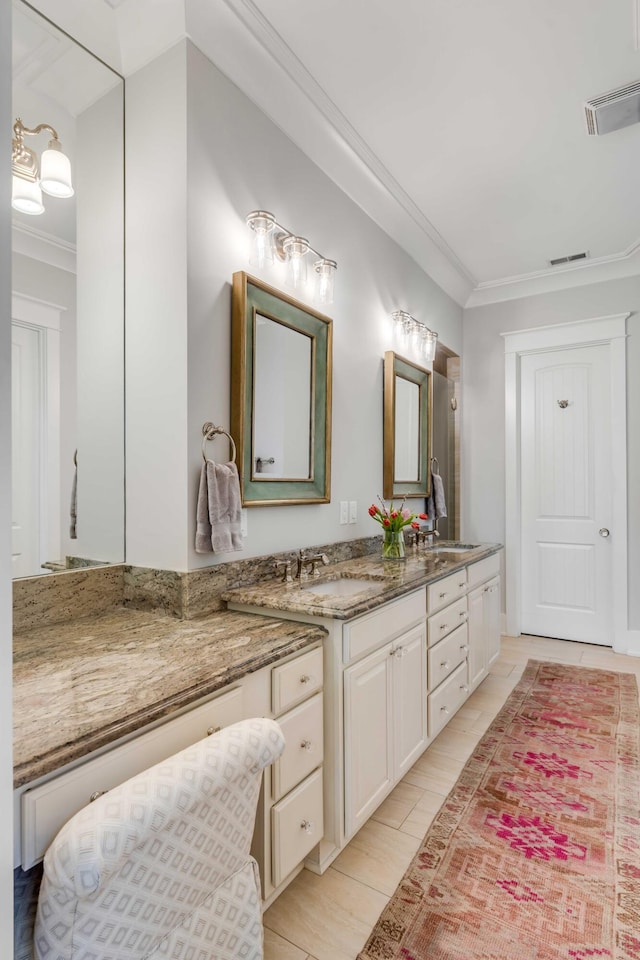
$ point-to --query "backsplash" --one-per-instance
(45, 600)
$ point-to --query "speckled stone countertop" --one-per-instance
(386, 580)
(81, 685)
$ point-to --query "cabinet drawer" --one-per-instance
(442, 623)
(445, 656)
(445, 700)
(442, 592)
(483, 569)
(297, 826)
(302, 729)
(46, 808)
(296, 680)
(384, 624)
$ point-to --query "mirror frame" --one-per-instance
(394, 366)
(251, 296)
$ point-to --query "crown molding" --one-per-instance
(42, 246)
(581, 273)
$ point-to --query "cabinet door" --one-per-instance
(477, 637)
(368, 745)
(492, 619)
(409, 697)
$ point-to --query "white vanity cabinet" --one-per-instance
(484, 617)
(385, 700)
(289, 820)
(448, 636)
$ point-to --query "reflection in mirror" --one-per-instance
(407, 433)
(283, 414)
(406, 436)
(280, 396)
(68, 312)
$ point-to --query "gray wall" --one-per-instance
(6, 775)
(483, 451)
(238, 160)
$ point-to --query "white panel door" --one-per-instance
(25, 451)
(565, 489)
(410, 698)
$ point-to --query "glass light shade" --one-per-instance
(429, 344)
(402, 323)
(26, 196)
(55, 172)
(261, 224)
(326, 271)
(295, 249)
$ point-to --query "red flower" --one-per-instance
(373, 510)
(423, 516)
(415, 526)
(394, 514)
(386, 522)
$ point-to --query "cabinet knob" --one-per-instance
(462, 585)
(464, 647)
(463, 614)
(305, 678)
(442, 596)
(443, 626)
(306, 745)
(445, 664)
(307, 826)
(211, 730)
(444, 709)
(96, 794)
(464, 687)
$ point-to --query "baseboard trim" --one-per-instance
(628, 643)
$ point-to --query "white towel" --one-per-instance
(436, 505)
(218, 513)
(73, 509)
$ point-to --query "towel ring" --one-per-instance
(209, 432)
(435, 466)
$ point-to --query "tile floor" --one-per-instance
(330, 917)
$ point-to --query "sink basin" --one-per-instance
(454, 547)
(344, 587)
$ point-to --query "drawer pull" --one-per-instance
(463, 614)
(306, 745)
(465, 648)
(443, 626)
(305, 678)
(445, 664)
(462, 585)
(442, 596)
(211, 730)
(307, 826)
(464, 687)
(96, 794)
(444, 709)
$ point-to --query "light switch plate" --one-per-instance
(344, 511)
(353, 511)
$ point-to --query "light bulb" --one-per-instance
(325, 270)
(26, 196)
(295, 249)
(261, 223)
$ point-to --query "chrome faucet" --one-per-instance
(285, 566)
(308, 565)
(422, 536)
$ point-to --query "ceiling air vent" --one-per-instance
(613, 110)
(569, 259)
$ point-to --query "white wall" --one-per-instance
(237, 161)
(482, 407)
(6, 765)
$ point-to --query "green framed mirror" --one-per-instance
(281, 364)
(407, 428)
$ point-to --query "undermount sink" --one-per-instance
(454, 547)
(343, 587)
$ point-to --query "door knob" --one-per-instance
(603, 532)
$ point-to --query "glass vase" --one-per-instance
(393, 545)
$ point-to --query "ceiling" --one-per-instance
(457, 125)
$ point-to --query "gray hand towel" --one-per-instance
(436, 505)
(218, 513)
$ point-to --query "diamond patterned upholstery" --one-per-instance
(160, 866)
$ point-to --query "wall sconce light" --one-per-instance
(270, 239)
(54, 176)
(415, 336)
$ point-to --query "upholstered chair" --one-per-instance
(160, 865)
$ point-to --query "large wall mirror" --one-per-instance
(68, 311)
(407, 418)
(280, 396)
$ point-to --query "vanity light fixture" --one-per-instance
(415, 335)
(53, 177)
(270, 239)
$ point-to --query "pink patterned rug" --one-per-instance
(535, 854)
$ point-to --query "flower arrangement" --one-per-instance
(393, 520)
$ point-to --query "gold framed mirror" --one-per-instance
(407, 428)
(281, 356)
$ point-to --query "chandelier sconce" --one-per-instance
(270, 240)
(414, 336)
(29, 183)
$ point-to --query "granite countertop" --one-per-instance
(386, 580)
(80, 685)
